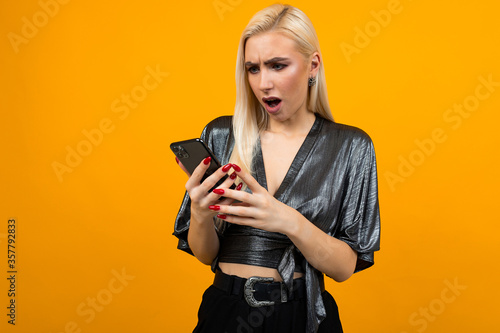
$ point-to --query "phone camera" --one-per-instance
(180, 152)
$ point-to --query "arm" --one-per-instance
(325, 253)
(202, 236)
(261, 210)
(203, 239)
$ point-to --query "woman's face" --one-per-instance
(278, 74)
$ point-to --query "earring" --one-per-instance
(312, 81)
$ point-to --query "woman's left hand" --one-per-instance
(258, 209)
(261, 210)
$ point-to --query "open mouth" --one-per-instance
(272, 102)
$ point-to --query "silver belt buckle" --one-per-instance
(249, 296)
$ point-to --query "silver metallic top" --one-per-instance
(332, 182)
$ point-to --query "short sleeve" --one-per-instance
(215, 135)
(360, 215)
(183, 218)
(182, 224)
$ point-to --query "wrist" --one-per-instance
(294, 225)
(201, 220)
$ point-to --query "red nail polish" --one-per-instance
(207, 160)
(222, 216)
(226, 167)
(176, 159)
(240, 185)
(236, 168)
(218, 191)
(233, 176)
(213, 207)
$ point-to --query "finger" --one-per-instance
(237, 219)
(225, 185)
(213, 179)
(225, 201)
(242, 211)
(229, 181)
(221, 207)
(247, 178)
(237, 210)
(237, 195)
(195, 178)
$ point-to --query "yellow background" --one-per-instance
(114, 212)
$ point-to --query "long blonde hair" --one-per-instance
(250, 118)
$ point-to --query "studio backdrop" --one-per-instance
(93, 92)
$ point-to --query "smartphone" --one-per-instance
(191, 152)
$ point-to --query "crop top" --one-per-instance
(332, 182)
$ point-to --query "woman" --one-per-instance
(309, 205)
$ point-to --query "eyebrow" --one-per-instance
(267, 62)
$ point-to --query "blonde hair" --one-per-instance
(250, 118)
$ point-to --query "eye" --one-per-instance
(253, 70)
(278, 67)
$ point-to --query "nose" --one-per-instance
(266, 82)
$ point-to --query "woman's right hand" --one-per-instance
(202, 237)
(199, 192)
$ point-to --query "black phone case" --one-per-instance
(191, 152)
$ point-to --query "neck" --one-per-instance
(299, 124)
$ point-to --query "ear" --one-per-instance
(314, 63)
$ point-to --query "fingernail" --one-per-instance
(212, 207)
(226, 167)
(236, 168)
(218, 191)
(222, 216)
(240, 185)
(176, 159)
(233, 176)
(207, 160)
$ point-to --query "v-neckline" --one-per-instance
(297, 162)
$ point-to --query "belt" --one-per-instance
(259, 291)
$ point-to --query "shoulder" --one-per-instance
(222, 122)
(218, 134)
(221, 126)
(350, 145)
(346, 133)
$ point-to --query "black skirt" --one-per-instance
(223, 313)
